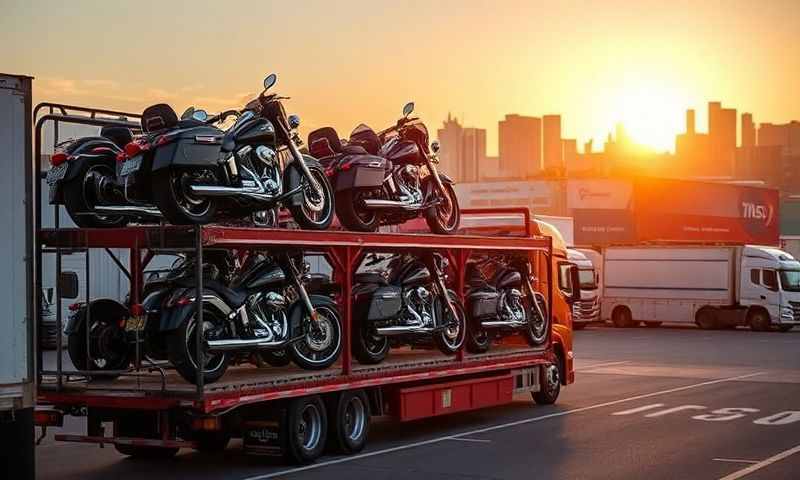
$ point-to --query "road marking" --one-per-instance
(470, 433)
(734, 460)
(598, 365)
(674, 409)
(460, 439)
(764, 463)
(639, 409)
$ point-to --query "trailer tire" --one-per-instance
(306, 429)
(348, 420)
(759, 320)
(706, 319)
(621, 317)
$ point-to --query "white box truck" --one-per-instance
(587, 309)
(711, 286)
(16, 290)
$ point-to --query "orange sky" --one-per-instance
(345, 62)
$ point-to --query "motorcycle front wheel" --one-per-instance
(538, 326)
(322, 343)
(177, 203)
(450, 339)
(315, 209)
(444, 217)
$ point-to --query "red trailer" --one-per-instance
(277, 410)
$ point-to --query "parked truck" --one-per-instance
(711, 286)
(17, 289)
(587, 309)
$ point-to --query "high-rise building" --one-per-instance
(748, 130)
(785, 135)
(722, 139)
(463, 150)
(551, 143)
(520, 146)
(572, 162)
(690, 124)
(692, 150)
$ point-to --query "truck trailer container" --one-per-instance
(711, 286)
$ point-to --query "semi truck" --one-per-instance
(587, 309)
(17, 290)
(710, 286)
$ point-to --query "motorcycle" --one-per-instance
(266, 309)
(82, 178)
(196, 173)
(388, 177)
(503, 304)
(402, 299)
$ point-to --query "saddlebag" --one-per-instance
(385, 304)
(361, 171)
(483, 304)
(198, 146)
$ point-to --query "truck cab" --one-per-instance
(770, 287)
(587, 309)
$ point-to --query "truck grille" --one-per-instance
(587, 310)
(795, 310)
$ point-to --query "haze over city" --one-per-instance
(639, 63)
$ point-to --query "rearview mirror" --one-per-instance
(270, 81)
(408, 109)
(68, 285)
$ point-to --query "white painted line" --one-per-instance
(598, 365)
(674, 409)
(408, 446)
(764, 463)
(639, 409)
(734, 460)
(460, 439)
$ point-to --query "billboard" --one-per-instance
(541, 196)
(679, 211)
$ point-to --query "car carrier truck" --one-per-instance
(711, 286)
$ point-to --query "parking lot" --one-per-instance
(647, 403)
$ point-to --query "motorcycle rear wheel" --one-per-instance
(182, 354)
(80, 197)
(353, 217)
(171, 196)
(445, 217)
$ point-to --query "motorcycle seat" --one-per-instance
(370, 277)
(353, 150)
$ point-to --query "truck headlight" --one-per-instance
(787, 312)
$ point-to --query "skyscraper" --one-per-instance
(520, 146)
(692, 151)
(463, 150)
(450, 136)
(722, 139)
(748, 130)
(473, 154)
(551, 141)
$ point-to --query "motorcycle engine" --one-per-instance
(268, 169)
(269, 312)
(419, 307)
(511, 307)
(407, 177)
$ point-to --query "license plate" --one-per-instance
(133, 324)
(131, 165)
(56, 173)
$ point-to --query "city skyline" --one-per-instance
(639, 63)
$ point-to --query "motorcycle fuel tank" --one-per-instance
(403, 151)
(262, 277)
(509, 279)
(418, 275)
(256, 131)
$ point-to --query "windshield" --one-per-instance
(587, 279)
(790, 280)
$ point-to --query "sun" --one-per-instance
(652, 114)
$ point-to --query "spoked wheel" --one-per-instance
(349, 416)
(182, 351)
(369, 348)
(316, 208)
(478, 339)
(322, 343)
(538, 325)
(83, 193)
(353, 213)
(451, 338)
(173, 196)
(306, 429)
(444, 217)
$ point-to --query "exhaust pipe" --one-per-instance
(376, 203)
(239, 344)
(220, 191)
(501, 324)
(390, 331)
(130, 210)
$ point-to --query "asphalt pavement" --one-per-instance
(647, 403)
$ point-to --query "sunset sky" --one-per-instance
(345, 62)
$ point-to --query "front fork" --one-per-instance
(436, 178)
(298, 157)
(447, 300)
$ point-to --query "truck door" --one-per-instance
(759, 286)
(770, 297)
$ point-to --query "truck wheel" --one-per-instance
(759, 320)
(551, 385)
(352, 213)
(621, 317)
(306, 429)
(706, 319)
(349, 418)
(652, 324)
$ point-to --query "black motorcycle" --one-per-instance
(503, 303)
(196, 173)
(266, 309)
(402, 299)
(387, 177)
